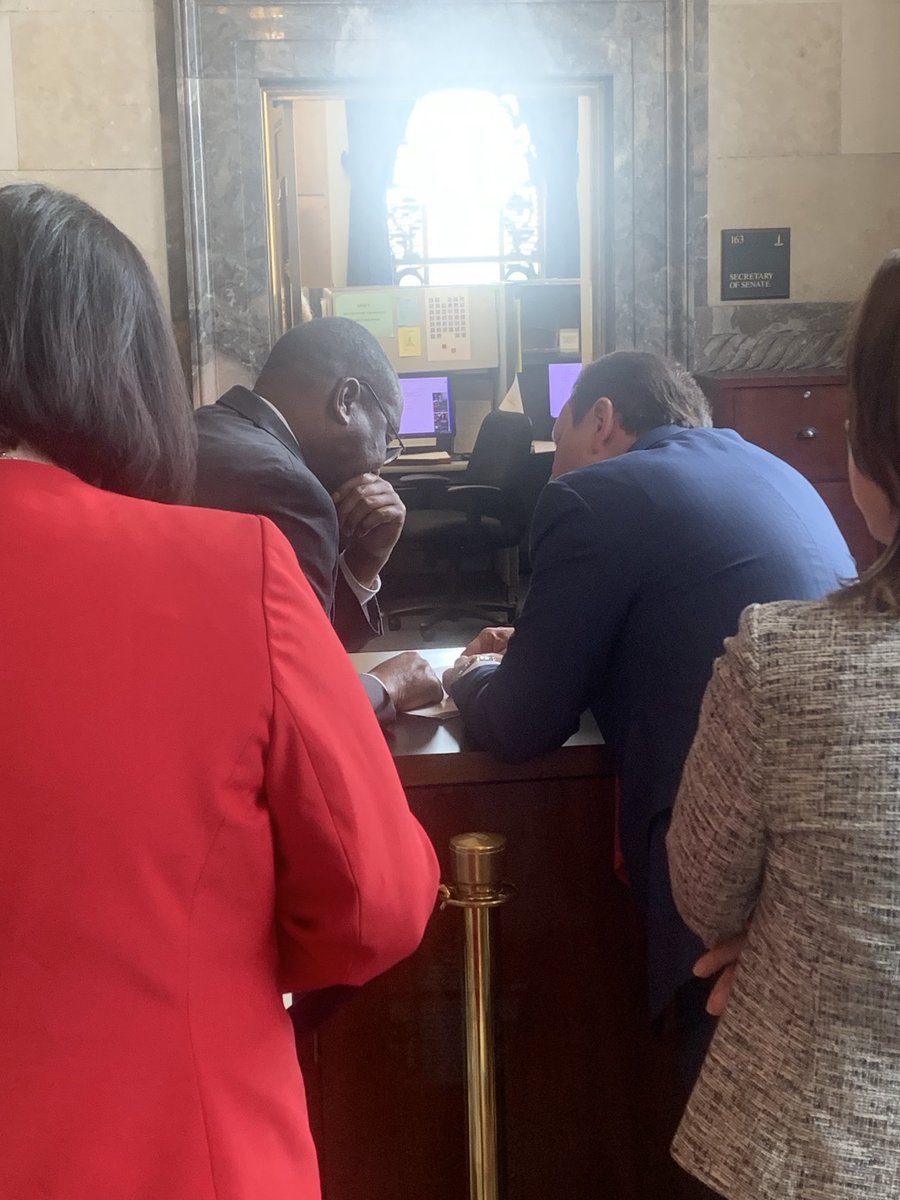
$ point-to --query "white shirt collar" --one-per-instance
(278, 413)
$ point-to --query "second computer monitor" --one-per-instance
(562, 378)
(427, 411)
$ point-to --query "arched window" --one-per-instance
(463, 207)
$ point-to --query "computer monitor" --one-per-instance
(562, 378)
(427, 411)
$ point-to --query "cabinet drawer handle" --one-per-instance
(807, 434)
(807, 395)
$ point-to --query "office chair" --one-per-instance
(451, 523)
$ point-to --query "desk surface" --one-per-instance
(403, 465)
(429, 752)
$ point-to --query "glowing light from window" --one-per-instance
(463, 158)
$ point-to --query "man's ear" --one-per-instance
(344, 396)
(605, 422)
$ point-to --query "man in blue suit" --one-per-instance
(652, 536)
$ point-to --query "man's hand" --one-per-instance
(724, 958)
(491, 641)
(409, 680)
(371, 516)
(465, 660)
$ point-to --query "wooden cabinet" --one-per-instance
(799, 418)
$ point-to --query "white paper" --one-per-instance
(512, 401)
(437, 712)
(447, 329)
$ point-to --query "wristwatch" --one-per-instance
(478, 660)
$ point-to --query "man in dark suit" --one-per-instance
(653, 535)
(305, 447)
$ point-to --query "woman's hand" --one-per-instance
(723, 958)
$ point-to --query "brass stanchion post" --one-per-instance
(476, 888)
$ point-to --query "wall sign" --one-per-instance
(756, 264)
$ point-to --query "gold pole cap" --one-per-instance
(477, 860)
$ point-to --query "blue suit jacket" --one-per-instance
(641, 567)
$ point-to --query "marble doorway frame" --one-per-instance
(651, 54)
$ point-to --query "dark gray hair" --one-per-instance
(316, 354)
(646, 390)
(89, 371)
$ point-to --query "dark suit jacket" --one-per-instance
(641, 567)
(248, 461)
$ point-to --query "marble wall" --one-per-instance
(787, 111)
(635, 49)
(79, 109)
(804, 131)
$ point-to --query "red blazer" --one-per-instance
(198, 813)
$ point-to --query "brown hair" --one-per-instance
(873, 368)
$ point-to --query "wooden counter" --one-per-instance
(430, 753)
(386, 1075)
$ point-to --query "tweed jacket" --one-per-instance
(788, 821)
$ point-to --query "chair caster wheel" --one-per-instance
(427, 635)
(393, 624)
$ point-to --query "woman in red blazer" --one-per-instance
(198, 808)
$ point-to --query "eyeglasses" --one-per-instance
(393, 452)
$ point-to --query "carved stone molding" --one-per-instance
(782, 351)
(772, 337)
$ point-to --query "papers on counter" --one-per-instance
(437, 712)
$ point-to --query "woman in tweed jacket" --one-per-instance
(787, 828)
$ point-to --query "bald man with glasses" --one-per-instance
(305, 448)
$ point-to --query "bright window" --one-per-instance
(463, 208)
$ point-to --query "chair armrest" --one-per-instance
(422, 491)
(475, 499)
(443, 480)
